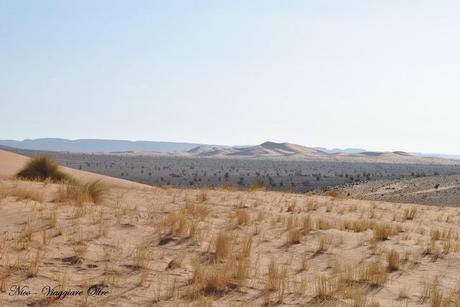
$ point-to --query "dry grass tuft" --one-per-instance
(223, 246)
(211, 279)
(324, 244)
(202, 196)
(383, 231)
(393, 260)
(293, 237)
(91, 192)
(24, 194)
(358, 225)
(197, 211)
(324, 289)
(176, 224)
(176, 262)
(276, 276)
(410, 213)
(242, 217)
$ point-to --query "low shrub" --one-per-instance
(42, 168)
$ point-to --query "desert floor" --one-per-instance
(151, 246)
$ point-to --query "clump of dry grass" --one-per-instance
(223, 246)
(229, 268)
(41, 168)
(307, 224)
(245, 247)
(324, 289)
(293, 237)
(334, 194)
(24, 194)
(383, 231)
(276, 276)
(409, 213)
(435, 234)
(325, 224)
(3, 193)
(141, 256)
(197, 211)
(202, 196)
(34, 264)
(358, 225)
(242, 217)
(176, 224)
(393, 260)
(324, 244)
(304, 264)
(91, 192)
(371, 275)
(176, 262)
(210, 279)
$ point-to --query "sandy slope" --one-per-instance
(179, 247)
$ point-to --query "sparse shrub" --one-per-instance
(41, 168)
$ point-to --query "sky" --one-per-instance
(379, 75)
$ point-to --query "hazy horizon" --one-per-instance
(382, 76)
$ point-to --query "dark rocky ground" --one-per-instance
(433, 190)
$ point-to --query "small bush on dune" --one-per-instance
(42, 168)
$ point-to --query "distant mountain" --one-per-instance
(96, 145)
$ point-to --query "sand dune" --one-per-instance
(288, 151)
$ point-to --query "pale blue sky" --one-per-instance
(382, 75)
